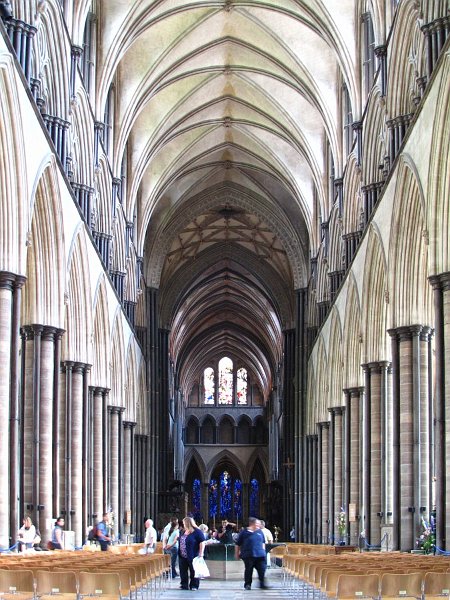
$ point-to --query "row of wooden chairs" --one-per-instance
(129, 575)
(318, 575)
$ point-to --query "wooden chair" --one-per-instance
(350, 586)
(436, 586)
(62, 583)
(404, 585)
(103, 585)
(16, 584)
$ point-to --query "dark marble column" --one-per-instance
(336, 470)
(10, 300)
(352, 492)
(129, 504)
(99, 398)
(115, 461)
(323, 482)
(441, 292)
(410, 368)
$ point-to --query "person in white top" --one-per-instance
(26, 534)
(268, 537)
(150, 537)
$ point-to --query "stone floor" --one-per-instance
(231, 589)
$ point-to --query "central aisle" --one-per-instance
(231, 589)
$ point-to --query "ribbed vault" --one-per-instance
(225, 111)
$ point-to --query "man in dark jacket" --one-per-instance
(250, 546)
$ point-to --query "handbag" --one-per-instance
(200, 567)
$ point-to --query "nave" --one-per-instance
(231, 588)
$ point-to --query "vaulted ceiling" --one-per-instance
(225, 110)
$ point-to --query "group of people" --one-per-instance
(29, 537)
(186, 540)
(182, 540)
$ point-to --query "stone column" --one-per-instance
(441, 292)
(353, 458)
(99, 502)
(128, 474)
(114, 414)
(323, 478)
(373, 440)
(413, 429)
(49, 339)
(76, 452)
(10, 291)
(336, 470)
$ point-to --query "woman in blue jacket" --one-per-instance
(191, 543)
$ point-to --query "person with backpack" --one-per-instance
(103, 537)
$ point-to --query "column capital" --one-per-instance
(337, 410)
(426, 334)
(97, 390)
(405, 332)
(440, 282)
(354, 391)
(77, 51)
(323, 424)
(115, 409)
(11, 280)
(129, 424)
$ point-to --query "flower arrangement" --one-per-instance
(340, 522)
(427, 538)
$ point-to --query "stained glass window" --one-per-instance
(213, 497)
(225, 495)
(254, 498)
(226, 381)
(197, 500)
(238, 498)
(209, 385)
(241, 384)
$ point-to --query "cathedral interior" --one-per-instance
(224, 265)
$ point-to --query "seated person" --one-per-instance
(27, 535)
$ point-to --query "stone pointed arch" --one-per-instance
(131, 385)
(311, 407)
(141, 401)
(438, 180)
(82, 140)
(405, 60)
(78, 324)
(335, 362)
(13, 179)
(225, 456)
(101, 341)
(117, 367)
(193, 457)
(321, 399)
(375, 300)
(43, 292)
(352, 197)
(352, 337)
(335, 250)
(375, 142)
(408, 251)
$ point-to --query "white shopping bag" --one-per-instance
(200, 567)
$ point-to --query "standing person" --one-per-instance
(292, 534)
(250, 546)
(191, 545)
(102, 532)
(26, 535)
(225, 532)
(170, 544)
(268, 538)
(150, 537)
(57, 534)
